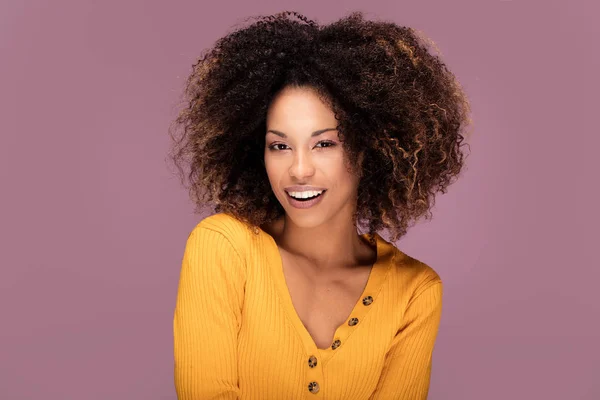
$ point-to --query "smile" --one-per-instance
(305, 203)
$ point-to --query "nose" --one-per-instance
(302, 166)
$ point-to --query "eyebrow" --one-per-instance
(315, 133)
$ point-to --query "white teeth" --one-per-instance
(304, 195)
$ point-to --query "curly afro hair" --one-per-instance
(397, 105)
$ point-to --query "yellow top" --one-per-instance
(237, 334)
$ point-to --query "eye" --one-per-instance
(273, 146)
(331, 144)
(328, 143)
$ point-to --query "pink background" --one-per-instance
(93, 223)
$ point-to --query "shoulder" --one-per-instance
(234, 230)
(224, 223)
(413, 275)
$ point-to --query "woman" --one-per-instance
(298, 134)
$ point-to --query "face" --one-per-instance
(302, 148)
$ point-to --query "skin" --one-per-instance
(323, 240)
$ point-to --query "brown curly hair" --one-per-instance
(397, 105)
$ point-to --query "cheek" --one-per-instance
(346, 180)
(272, 173)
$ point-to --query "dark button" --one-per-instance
(313, 387)
(312, 361)
(367, 300)
(336, 344)
(353, 321)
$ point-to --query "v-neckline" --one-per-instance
(377, 275)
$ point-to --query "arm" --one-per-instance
(407, 367)
(207, 317)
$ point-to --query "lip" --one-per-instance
(305, 204)
(304, 188)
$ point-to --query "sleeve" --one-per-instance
(207, 317)
(407, 367)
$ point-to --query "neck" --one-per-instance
(328, 247)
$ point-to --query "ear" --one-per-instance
(361, 157)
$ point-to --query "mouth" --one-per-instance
(305, 203)
(306, 199)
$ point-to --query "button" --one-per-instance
(367, 300)
(313, 387)
(353, 321)
(336, 344)
(312, 361)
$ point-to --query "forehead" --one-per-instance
(293, 106)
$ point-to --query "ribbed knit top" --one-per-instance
(237, 334)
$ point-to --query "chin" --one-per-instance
(306, 218)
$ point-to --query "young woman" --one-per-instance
(298, 134)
